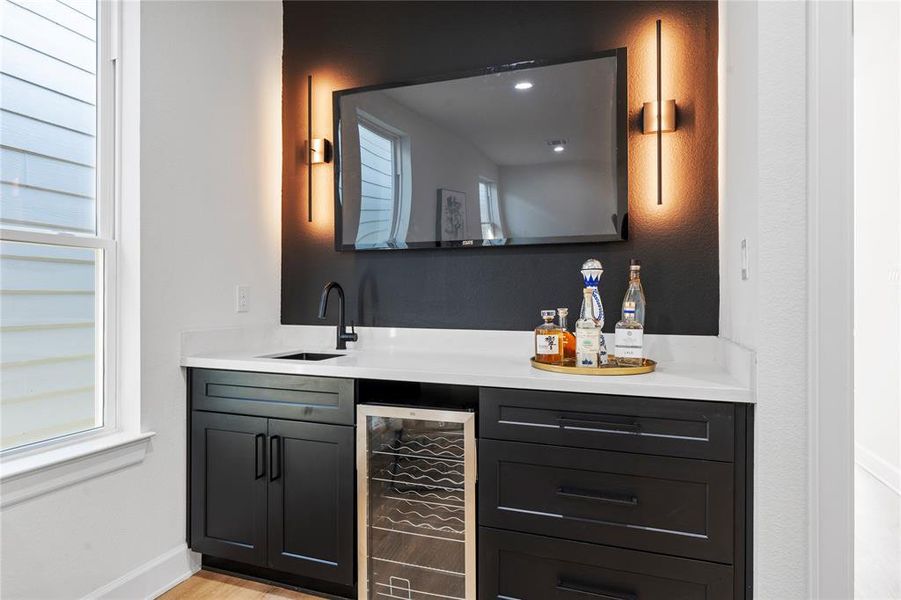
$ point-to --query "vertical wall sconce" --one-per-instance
(659, 117)
(318, 150)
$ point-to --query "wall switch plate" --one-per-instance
(745, 261)
(242, 298)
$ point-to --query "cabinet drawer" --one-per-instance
(520, 566)
(673, 506)
(318, 399)
(628, 424)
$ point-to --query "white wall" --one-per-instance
(528, 210)
(738, 120)
(877, 240)
(763, 166)
(210, 211)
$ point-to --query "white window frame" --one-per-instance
(47, 465)
(401, 150)
(493, 210)
(104, 240)
(395, 139)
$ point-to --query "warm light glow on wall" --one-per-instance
(680, 189)
(322, 181)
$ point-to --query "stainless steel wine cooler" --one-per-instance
(416, 505)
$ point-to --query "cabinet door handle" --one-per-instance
(582, 591)
(567, 422)
(620, 499)
(275, 457)
(259, 450)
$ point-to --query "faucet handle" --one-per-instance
(353, 333)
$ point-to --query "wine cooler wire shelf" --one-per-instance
(408, 474)
(448, 502)
(397, 519)
(425, 447)
(401, 589)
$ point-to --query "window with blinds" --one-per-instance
(56, 252)
(379, 162)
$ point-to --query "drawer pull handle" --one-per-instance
(259, 449)
(567, 422)
(619, 499)
(583, 591)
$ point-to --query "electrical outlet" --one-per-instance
(745, 261)
(242, 298)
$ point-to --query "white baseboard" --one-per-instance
(878, 467)
(153, 577)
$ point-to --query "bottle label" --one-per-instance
(629, 343)
(547, 344)
(586, 360)
(587, 342)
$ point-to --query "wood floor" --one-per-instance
(206, 585)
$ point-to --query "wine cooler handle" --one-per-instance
(259, 455)
(583, 591)
(632, 427)
(275, 457)
(580, 494)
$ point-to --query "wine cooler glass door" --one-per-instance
(416, 471)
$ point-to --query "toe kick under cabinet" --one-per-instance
(579, 496)
(612, 498)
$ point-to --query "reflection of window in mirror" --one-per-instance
(385, 193)
(489, 213)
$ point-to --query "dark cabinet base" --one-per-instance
(581, 497)
(530, 567)
(269, 492)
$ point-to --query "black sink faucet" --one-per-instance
(343, 335)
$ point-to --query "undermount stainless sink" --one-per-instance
(304, 356)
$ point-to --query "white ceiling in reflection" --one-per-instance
(571, 101)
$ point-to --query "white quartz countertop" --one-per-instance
(696, 377)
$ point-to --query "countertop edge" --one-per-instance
(539, 380)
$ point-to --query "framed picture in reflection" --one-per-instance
(451, 215)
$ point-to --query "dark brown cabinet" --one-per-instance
(228, 487)
(273, 493)
(311, 492)
(615, 498)
(531, 567)
(683, 428)
(669, 505)
(580, 496)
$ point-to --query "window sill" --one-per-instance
(31, 476)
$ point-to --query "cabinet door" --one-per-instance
(228, 486)
(311, 483)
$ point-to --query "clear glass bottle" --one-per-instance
(629, 340)
(548, 340)
(635, 294)
(588, 334)
(569, 340)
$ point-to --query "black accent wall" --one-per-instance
(350, 44)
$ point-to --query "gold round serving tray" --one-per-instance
(611, 368)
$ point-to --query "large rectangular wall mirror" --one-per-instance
(527, 153)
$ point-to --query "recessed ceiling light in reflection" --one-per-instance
(559, 148)
(523, 85)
